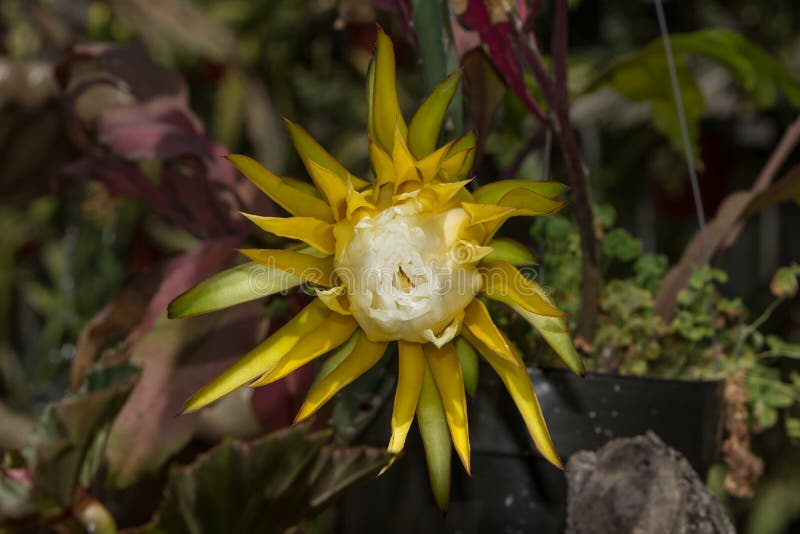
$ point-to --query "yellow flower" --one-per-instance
(402, 259)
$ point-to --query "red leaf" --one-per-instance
(126, 179)
(496, 35)
(184, 271)
(177, 358)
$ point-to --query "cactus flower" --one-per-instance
(399, 259)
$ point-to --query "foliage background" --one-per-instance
(67, 246)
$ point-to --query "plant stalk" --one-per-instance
(556, 93)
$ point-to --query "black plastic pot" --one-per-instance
(512, 488)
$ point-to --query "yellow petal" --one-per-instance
(332, 299)
(356, 201)
(456, 166)
(286, 196)
(429, 166)
(365, 354)
(405, 169)
(555, 332)
(309, 150)
(318, 234)
(386, 116)
(303, 186)
(334, 331)
(526, 203)
(382, 166)
(479, 323)
(423, 131)
(310, 268)
(446, 373)
(445, 191)
(411, 369)
(262, 358)
(331, 186)
(504, 283)
(371, 99)
(519, 385)
(493, 192)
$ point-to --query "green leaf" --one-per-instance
(779, 396)
(793, 427)
(236, 285)
(430, 30)
(606, 214)
(766, 416)
(435, 439)
(645, 77)
(620, 245)
(751, 66)
(268, 485)
(784, 282)
(63, 452)
(468, 359)
(779, 347)
(509, 251)
(649, 269)
(229, 108)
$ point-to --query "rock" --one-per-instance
(639, 485)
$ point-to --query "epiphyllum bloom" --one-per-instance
(398, 259)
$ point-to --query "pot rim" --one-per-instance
(592, 375)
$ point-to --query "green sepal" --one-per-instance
(423, 132)
(435, 439)
(509, 251)
(236, 285)
(493, 192)
(468, 359)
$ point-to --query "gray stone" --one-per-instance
(639, 485)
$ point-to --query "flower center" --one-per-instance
(406, 275)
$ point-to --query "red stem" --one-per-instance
(555, 92)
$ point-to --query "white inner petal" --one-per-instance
(403, 277)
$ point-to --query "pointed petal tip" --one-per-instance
(189, 407)
(300, 417)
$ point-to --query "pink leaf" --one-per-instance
(184, 271)
(496, 35)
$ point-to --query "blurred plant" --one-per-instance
(131, 370)
(131, 117)
(708, 337)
